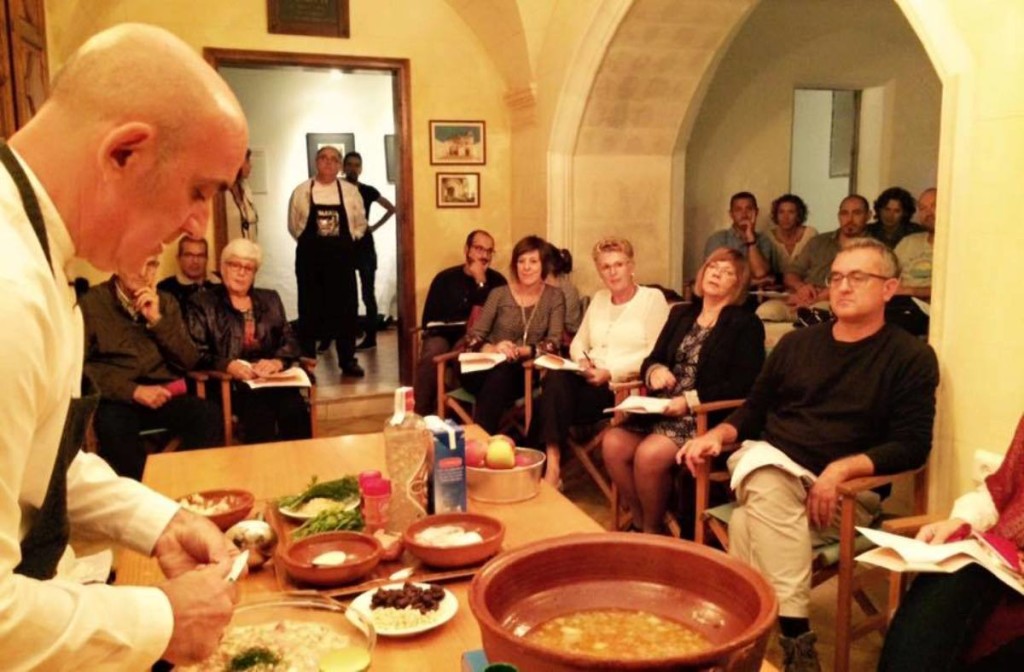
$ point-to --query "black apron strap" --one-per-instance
(28, 198)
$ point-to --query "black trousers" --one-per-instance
(496, 391)
(366, 267)
(936, 623)
(271, 414)
(196, 421)
(425, 391)
(567, 399)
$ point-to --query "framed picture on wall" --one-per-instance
(457, 143)
(390, 158)
(458, 190)
(343, 142)
(327, 18)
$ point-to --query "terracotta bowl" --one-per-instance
(724, 600)
(491, 529)
(363, 552)
(240, 503)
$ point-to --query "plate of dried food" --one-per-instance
(404, 609)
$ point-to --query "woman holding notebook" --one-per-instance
(617, 331)
(709, 350)
(967, 620)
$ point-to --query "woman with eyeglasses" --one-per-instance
(709, 350)
(243, 331)
(617, 332)
(520, 320)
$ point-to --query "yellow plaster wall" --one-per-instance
(452, 78)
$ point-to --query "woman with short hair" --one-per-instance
(617, 332)
(243, 331)
(709, 350)
(520, 320)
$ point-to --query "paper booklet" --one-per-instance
(471, 362)
(437, 324)
(902, 554)
(556, 363)
(752, 455)
(641, 405)
(294, 377)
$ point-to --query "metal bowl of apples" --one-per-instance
(499, 472)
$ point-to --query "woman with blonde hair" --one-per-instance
(709, 350)
(243, 331)
(616, 333)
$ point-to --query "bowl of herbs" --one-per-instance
(328, 506)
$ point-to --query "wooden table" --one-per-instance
(276, 469)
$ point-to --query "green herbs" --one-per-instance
(340, 490)
(255, 658)
(330, 521)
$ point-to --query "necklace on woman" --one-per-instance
(522, 312)
(707, 320)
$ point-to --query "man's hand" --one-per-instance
(597, 377)
(478, 269)
(202, 602)
(696, 450)
(147, 303)
(239, 369)
(823, 497)
(190, 541)
(805, 295)
(660, 378)
(937, 533)
(267, 367)
(677, 407)
(151, 396)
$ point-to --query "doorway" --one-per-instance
(293, 100)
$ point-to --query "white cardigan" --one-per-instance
(622, 345)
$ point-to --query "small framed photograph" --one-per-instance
(390, 158)
(343, 142)
(458, 190)
(327, 18)
(458, 143)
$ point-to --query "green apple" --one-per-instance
(500, 455)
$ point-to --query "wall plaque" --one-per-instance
(326, 18)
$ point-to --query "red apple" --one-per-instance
(523, 460)
(476, 453)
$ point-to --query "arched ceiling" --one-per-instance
(499, 26)
(632, 111)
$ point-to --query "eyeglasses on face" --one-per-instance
(239, 267)
(857, 279)
(480, 249)
(723, 268)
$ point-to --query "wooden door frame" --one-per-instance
(404, 216)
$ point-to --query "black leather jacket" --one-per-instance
(218, 328)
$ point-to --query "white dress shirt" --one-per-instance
(59, 624)
(327, 194)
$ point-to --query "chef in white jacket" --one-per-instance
(138, 135)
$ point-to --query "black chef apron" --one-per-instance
(43, 546)
(325, 273)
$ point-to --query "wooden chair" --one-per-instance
(837, 560)
(201, 378)
(459, 401)
(705, 476)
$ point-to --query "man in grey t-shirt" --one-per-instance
(743, 237)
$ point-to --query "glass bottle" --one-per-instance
(407, 448)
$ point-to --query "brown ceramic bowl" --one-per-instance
(719, 597)
(363, 556)
(491, 529)
(239, 505)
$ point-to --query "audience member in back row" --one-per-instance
(520, 320)
(454, 294)
(137, 351)
(970, 619)
(893, 209)
(743, 237)
(618, 331)
(561, 277)
(243, 331)
(806, 277)
(192, 275)
(710, 350)
(835, 401)
(790, 233)
(915, 250)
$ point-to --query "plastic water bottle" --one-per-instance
(407, 445)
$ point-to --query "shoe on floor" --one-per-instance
(367, 344)
(352, 369)
(799, 654)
